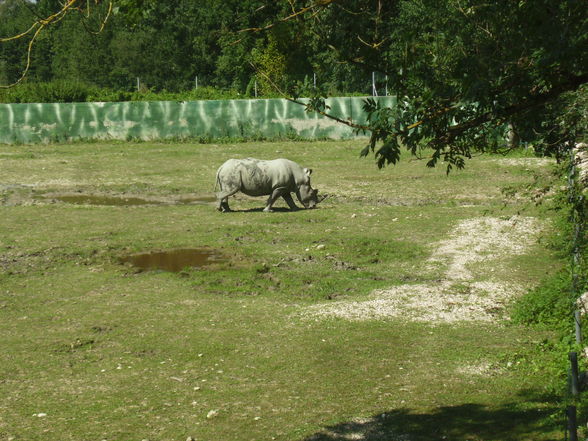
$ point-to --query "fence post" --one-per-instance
(578, 326)
(574, 387)
(138, 84)
(572, 423)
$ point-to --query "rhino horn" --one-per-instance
(323, 197)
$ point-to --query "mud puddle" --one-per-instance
(121, 200)
(174, 260)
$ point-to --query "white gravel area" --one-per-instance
(483, 240)
(460, 295)
(525, 162)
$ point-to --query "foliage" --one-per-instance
(58, 91)
(554, 300)
(167, 46)
(272, 64)
(201, 93)
(551, 303)
(463, 69)
(184, 41)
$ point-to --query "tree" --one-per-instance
(15, 17)
(462, 69)
(44, 15)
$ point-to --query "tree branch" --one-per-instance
(534, 101)
(102, 21)
(41, 23)
(295, 14)
(320, 112)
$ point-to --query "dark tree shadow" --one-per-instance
(508, 422)
(259, 210)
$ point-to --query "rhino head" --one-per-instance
(307, 195)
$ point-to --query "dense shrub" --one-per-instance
(551, 303)
(52, 92)
(202, 93)
(68, 92)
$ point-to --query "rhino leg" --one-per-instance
(273, 197)
(288, 198)
(223, 199)
(223, 206)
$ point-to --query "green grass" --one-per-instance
(107, 352)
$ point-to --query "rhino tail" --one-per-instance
(217, 181)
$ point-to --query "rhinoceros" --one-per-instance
(256, 177)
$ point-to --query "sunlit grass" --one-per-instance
(93, 349)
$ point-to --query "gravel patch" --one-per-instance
(524, 162)
(483, 368)
(483, 239)
(431, 303)
(458, 296)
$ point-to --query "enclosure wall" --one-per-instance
(35, 123)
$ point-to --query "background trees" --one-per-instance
(462, 69)
(168, 44)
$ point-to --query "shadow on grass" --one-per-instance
(260, 210)
(511, 421)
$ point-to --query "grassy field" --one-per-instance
(381, 315)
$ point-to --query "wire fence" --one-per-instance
(378, 84)
(576, 199)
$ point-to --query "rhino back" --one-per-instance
(256, 177)
(290, 172)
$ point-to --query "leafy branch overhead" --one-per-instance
(463, 70)
(85, 8)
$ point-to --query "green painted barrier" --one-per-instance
(58, 122)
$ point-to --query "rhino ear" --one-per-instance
(308, 171)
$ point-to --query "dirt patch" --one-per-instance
(460, 295)
(431, 303)
(92, 199)
(24, 196)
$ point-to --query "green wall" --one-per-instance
(35, 123)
